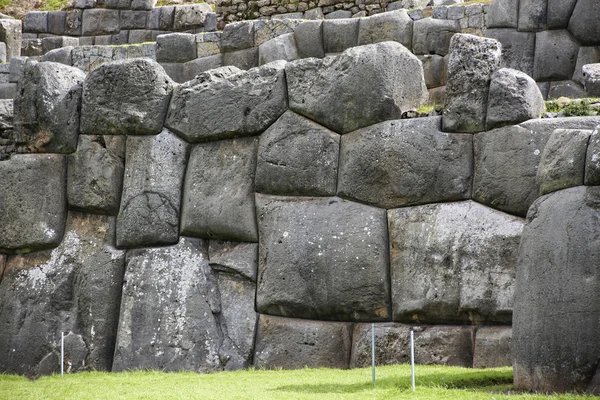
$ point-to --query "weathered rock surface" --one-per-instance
(405, 162)
(555, 55)
(58, 290)
(280, 48)
(128, 97)
(218, 197)
(503, 14)
(95, 174)
(237, 36)
(176, 47)
(592, 159)
(591, 79)
(150, 203)
(295, 343)
(297, 157)
(242, 59)
(33, 203)
(556, 318)
(533, 15)
(563, 160)
(47, 108)
(471, 63)
(514, 97)
(176, 315)
(434, 345)
(234, 258)
(518, 48)
(493, 347)
(309, 39)
(586, 55)
(227, 102)
(584, 24)
(433, 36)
(340, 34)
(466, 271)
(265, 30)
(559, 13)
(393, 25)
(322, 258)
(338, 94)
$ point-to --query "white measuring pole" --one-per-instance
(412, 359)
(373, 353)
(62, 353)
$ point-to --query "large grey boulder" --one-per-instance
(514, 97)
(10, 33)
(95, 22)
(362, 86)
(265, 30)
(309, 39)
(236, 258)
(592, 160)
(95, 174)
(47, 108)
(322, 258)
(584, 24)
(296, 343)
(405, 162)
(297, 157)
(128, 97)
(76, 289)
(150, 203)
(340, 34)
(237, 36)
(393, 25)
(176, 47)
(563, 160)
(518, 48)
(471, 64)
(532, 15)
(177, 315)
(559, 13)
(434, 345)
(555, 55)
(460, 275)
(280, 48)
(227, 102)
(218, 196)
(503, 14)
(434, 71)
(433, 36)
(493, 347)
(33, 202)
(556, 318)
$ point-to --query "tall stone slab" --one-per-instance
(584, 23)
(466, 270)
(76, 289)
(150, 203)
(10, 33)
(556, 319)
(322, 258)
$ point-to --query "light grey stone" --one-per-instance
(132, 19)
(584, 24)
(17, 68)
(555, 55)
(503, 14)
(234, 257)
(142, 4)
(8, 90)
(338, 14)
(566, 88)
(57, 42)
(591, 79)
(208, 44)
(322, 258)
(152, 186)
(226, 102)
(314, 13)
(280, 48)
(56, 22)
(125, 97)
(195, 67)
(99, 21)
(35, 22)
(218, 196)
(309, 39)
(559, 13)
(174, 71)
(380, 81)
(265, 30)
(433, 36)
(63, 55)
(493, 347)
(73, 22)
(517, 48)
(138, 36)
(471, 64)
(297, 157)
(340, 34)
(33, 203)
(592, 160)
(434, 70)
(32, 48)
(242, 59)
(532, 15)
(161, 18)
(237, 36)
(176, 47)
(10, 33)
(438, 284)
(189, 16)
(587, 55)
(393, 25)
(84, 3)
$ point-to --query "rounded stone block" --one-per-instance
(555, 55)
(393, 25)
(584, 23)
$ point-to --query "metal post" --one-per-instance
(373, 353)
(62, 353)
(412, 359)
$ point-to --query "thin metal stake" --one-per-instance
(62, 353)
(373, 353)
(412, 359)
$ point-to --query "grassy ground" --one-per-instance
(393, 382)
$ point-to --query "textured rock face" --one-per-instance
(558, 289)
(218, 197)
(234, 257)
(339, 34)
(176, 315)
(466, 271)
(555, 55)
(33, 203)
(227, 102)
(48, 292)
(338, 94)
(47, 108)
(471, 64)
(128, 97)
(309, 39)
(514, 97)
(297, 157)
(393, 25)
(584, 24)
(518, 48)
(503, 14)
(295, 343)
(434, 345)
(433, 36)
(322, 258)
(591, 79)
(592, 160)
(95, 174)
(280, 48)
(532, 15)
(150, 203)
(493, 347)
(405, 162)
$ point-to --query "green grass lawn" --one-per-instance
(393, 382)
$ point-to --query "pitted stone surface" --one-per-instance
(95, 174)
(33, 202)
(150, 204)
(226, 102)
(322, 258)
(125, 97)
(460, 276)
(592, 159)
(295, 343)
(297, 157)
(393, 25)
(405, 162)
(237, 36)
(47, 108)
(338, 94)
(218, 196)
(57, 290)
